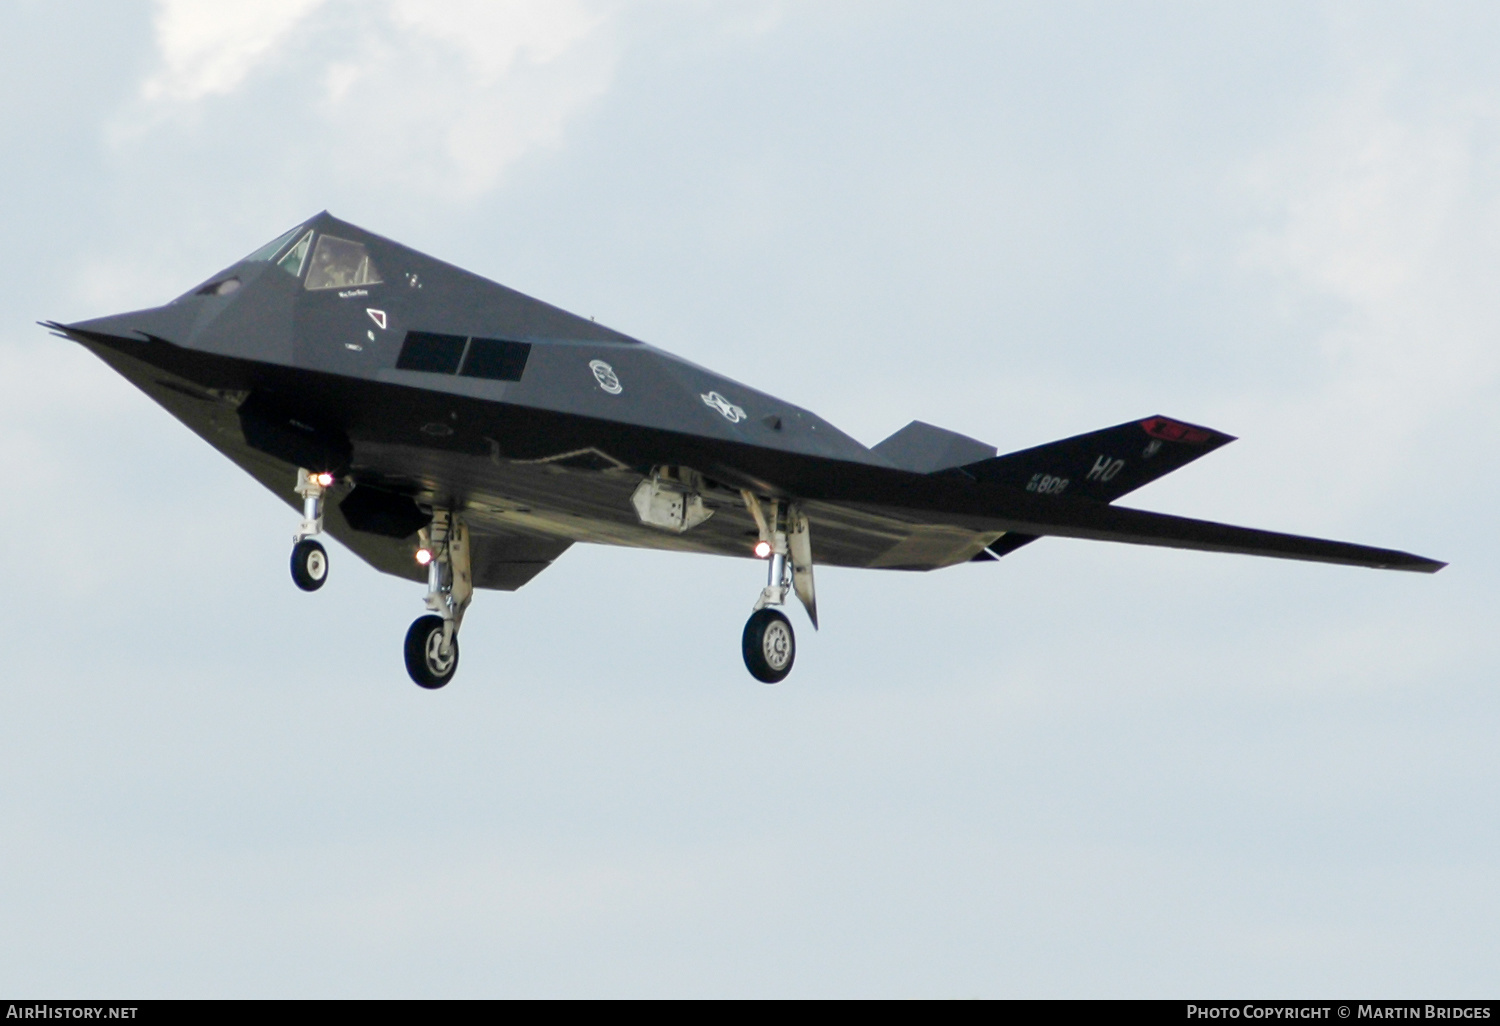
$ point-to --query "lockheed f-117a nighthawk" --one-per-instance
(455, 432)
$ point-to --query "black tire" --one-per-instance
(423, 661)
(309, 565)
(769, 646)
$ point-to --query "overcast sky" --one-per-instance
(1086, 770)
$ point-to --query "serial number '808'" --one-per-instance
(1046, 484)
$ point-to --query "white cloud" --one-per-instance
(462, 91)
(442, 97)
(1388, 219)
(493, 34)
(207, 47)
(1373, 208)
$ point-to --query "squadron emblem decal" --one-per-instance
(731, 412)
(605, 375)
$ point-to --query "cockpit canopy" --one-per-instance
(340, 264)
(336, 263)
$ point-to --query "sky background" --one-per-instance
(1086, 770)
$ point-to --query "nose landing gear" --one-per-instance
(432, 641)
(309, 558)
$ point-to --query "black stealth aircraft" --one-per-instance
(450, 430)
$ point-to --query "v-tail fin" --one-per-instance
(1101, 465)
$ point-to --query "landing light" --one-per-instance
(424, 556)
(325, 479)
(762, 549)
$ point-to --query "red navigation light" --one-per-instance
(1171, 431)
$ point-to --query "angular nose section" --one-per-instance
(171, 323)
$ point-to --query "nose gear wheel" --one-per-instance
(309, 565)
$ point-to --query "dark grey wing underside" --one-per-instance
(1139, 527)
(1011, 528)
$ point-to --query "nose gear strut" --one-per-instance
(309, 558)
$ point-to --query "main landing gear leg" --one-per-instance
(432, 641)
(309, 559)
(769, 645)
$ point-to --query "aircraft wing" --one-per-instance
(984, 509)
(951, 521)
(1140, 527)
(922, 539)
